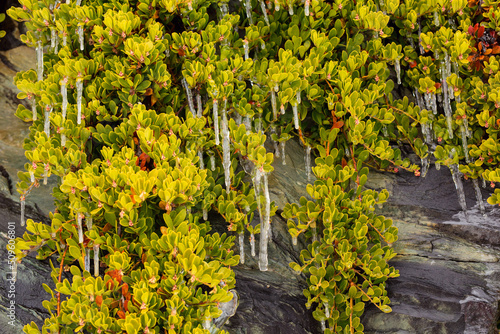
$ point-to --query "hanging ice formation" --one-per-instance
(455, 173)
(46, 124)
(189, 95)
(265, 225)
(299, 97)
(78, 2)
(295, 116)
(96, 260)
(436, 18)
(252, 244)
(23, 209)
(226, 149)
(283, 154)
(53, 39)
(33, 109)
(216, 121)
(39, 55)
(248, 124)
(397, 66)
(79, 32)
(273, 103)
(276, 5)
(45, 174)
(80, 229)
(79, 93)
(308, 162)
(290, 9)
(447, 106)
(224, 8)
(425, 165)
(88, 220)
(200, 106)
(212, 162)
(32, 176)
(306, 7)
(479, 196)
(207, 323)
(248, 10)
(245, 48)
(241, 241)
(264, 11)
(438, 165)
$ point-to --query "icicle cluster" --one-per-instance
(226, 149)
(248, 10)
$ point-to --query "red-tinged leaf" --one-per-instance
(124, 289)
(98, 300)
(106, 228)
(114, 304)
(125, 305)
(495, 50)
(480, 46)
(480, 31)
(488, 51)
(344, 163)
(149, 91)
(121, 314)
(338, 125)
(110, 285)
(413, 64)
(437, 85)
(470, 30)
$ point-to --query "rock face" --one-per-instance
(449, 266)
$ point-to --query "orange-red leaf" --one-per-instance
(338, 125)
(124, 289)
(98, 300)
(121, 314)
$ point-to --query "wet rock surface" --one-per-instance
(449, 266)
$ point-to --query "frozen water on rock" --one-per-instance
(425, 166)
(226, 149)
(479, 196)
(216, 121)
(79, 93)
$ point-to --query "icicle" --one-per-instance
(294, 241)
(53, 39)
(45, 174)
(200, 156)
(79, 224)
(484, 183)
(65, 39)
(323, 326)
(447, 106)
(248, 9)
(436, 18)
(248, 124)
(32, 176)
(23, 209)
(265, 227)
(258, 124)
(87, 259)
(327, 309)
(306, 7)
(189, 95)
(216, 121)
(224, 8)
(241, 240)
(290, 10)
(295, 116)
(96, 260)
(479, 196)
(438, 165)
(466, 126)
(276, 5)
(385, 132)
(200, 107)
(273, 103)
(79, 32)
(299, 97)
(39, 53)
(78, 2)
(465, 146)
(56, 42)
(455, 173)
(264, 11)
(79, 93)
(212, 162)
(226, 149)
(33, 109)
(205, 214)
(397, 66)
(64, 94)
(245, 48)
(207, 323)
(46, 125)
(282, 109)
(425, 166)
(308, 162)
(433, 104)
(283, 154)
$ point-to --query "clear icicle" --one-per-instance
(397, 66)
(282, 109)
(295, 116)
(200, 106)
(53, 39)
(248, 124)
(425, 166)
(258, 124)
(200, 155)
(455, 173)
(80, 229)
(205, 214)
(245, 48)
(33, 109)
(436, 18)
(465, 146)
(446, 101)
(45, 175)
(276, 6)
(484, 182)
(438, 165)
(64, 94)
(207, 323)
(308, 162)
(479, 196)
(248, 10)
(39, 55)
(299, 97)
(32, 176)
(189, 95)
(226, 149)
(241, 241)
(212, 162)
(78, 2)
(290, 9)
(314, 234)
(306, 7)
(46, 124)
(323, 326)
(65, 39)
(433, 104)
(216, 122)
(294, 241)
(283, 154)
(23, 210)
(81, 39)
(96, 260)
(87, 259)
(273, 103)
(275, 143)
(224, 8)
(327, 309)
(252, 244)
(264, 11)
(79, 93)
(265, 226)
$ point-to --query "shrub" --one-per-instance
(136, 97)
